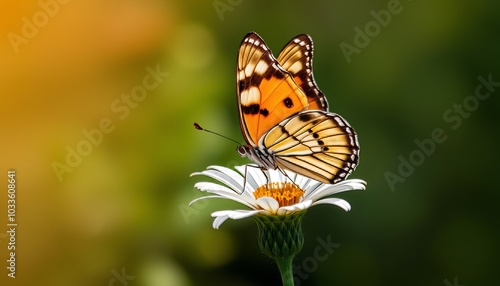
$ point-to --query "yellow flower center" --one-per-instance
(286, 194)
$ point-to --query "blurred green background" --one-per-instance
(119, 215)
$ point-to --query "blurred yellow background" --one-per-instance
(96, 118)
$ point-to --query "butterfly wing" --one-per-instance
(296, 58)
(267, 94)
(315, 144)
(284, 116)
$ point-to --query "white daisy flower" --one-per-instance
(271, 194)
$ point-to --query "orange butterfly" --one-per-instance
(284, 116)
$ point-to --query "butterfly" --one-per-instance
(284, 116)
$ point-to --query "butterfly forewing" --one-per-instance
(266, 92)
(296, 58)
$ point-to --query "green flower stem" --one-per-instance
(285, 266)
(281, 238)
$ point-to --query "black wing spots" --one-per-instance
(309, 86)
(242, 85)
(288, 102)
(304, 117)
(281, 74)
(274, 71)
(285, 131)
(324, 148)
(250, 109)
(254, 109)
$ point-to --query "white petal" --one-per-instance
(255, 174)
(224, 175)
(202, 198)
(295, 208)
(292, 176)
(275, 176)
(222, 216)
(259, 175)
(310, 187)
(326, 190)
(268, 203)
(236, 214)
(226, 193)
(253, 206)
(307, 184)
(213, 188)
(301, 181)
(334, 201)
(252, 178)
(218, 221)
(241, 169)
(232, 173)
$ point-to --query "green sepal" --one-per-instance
(280, 236)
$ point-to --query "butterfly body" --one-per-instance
(284, 116)
(258, 155)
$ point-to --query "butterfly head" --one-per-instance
(260, 156)
(243, 151)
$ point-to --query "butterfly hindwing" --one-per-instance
(267, 94)
(316, 144)
(296, 58)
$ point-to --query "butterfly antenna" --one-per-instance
(198, 127)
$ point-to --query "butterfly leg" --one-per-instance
(246, 172)
(288, 177)
(265, 175)
(244, 180)
(262, 169)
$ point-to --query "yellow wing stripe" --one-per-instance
(310, 168)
